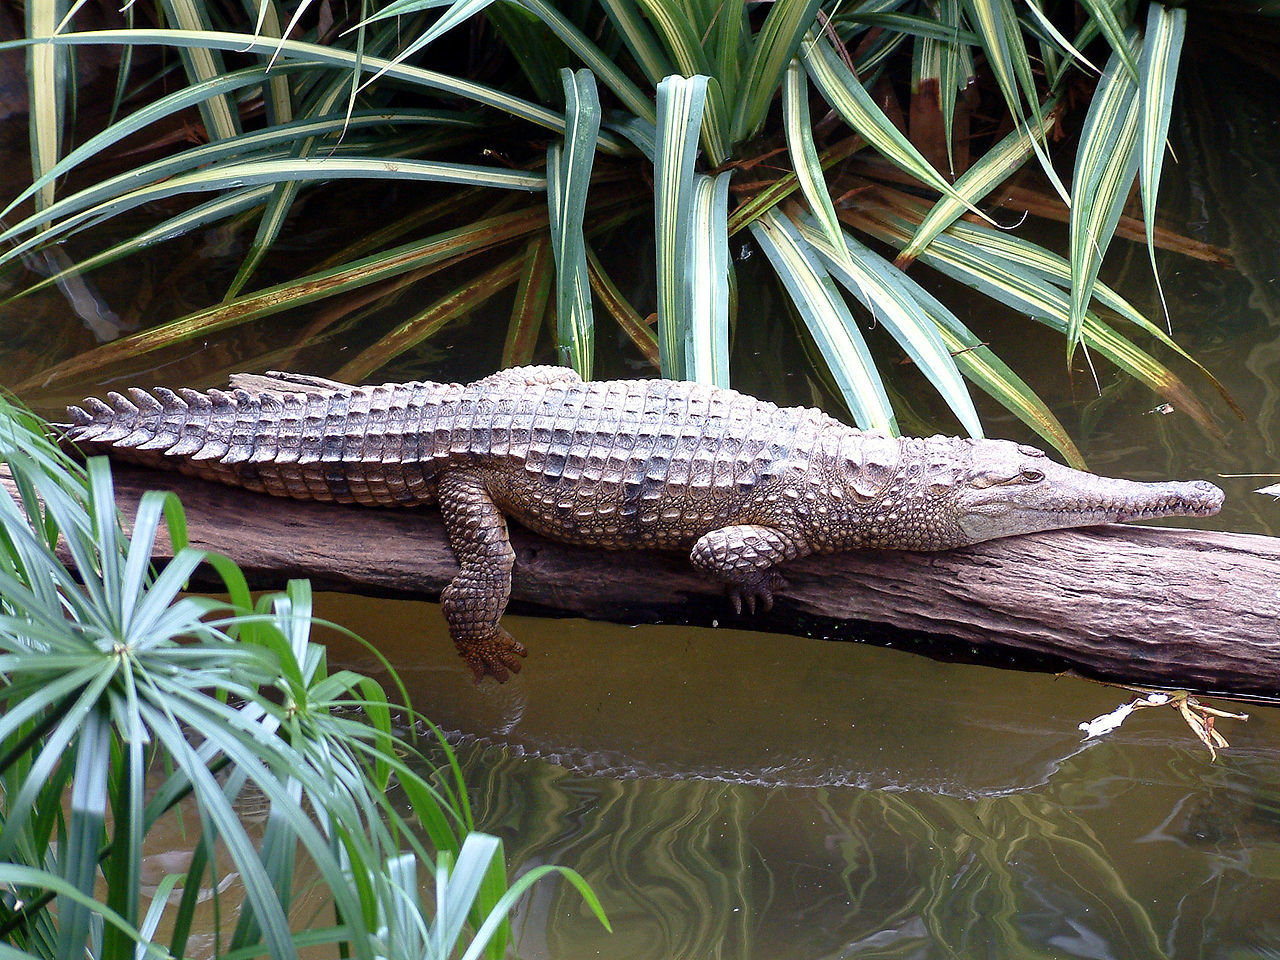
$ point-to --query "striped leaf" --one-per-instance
(1104, 15)
(46, 93)
(221, 118)
(637, 331)
(384, 265)
(828, 320)
(425, 324)
(804, 155)
(707, 343)
(1161, 50)
(1045, 24)
(1002, 42)
(533, 295)
(635, 33)
(261, 144)
(568, 177)
(849, 98)
(994, 168)
(884, 291)
(774, 47)
(680, 105)
(1106, 162)
(678, 36)
(220, 208)
(1028, 292)
(332, 56)
(253, 172)
(992, 376)
(599, 62)
(458, 12)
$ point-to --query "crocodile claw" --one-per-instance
(497, 656)
(761, 588)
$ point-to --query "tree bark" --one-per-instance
(1141, 605)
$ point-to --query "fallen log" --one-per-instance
(1141, 605)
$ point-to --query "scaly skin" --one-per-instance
(622, 465)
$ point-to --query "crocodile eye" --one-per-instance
(1029, 451)
(1032, 476)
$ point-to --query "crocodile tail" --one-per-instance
(285, 420)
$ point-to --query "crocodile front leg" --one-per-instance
(478, 595)
(743, 556)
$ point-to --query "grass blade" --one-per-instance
(828, 320)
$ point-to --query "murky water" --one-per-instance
(739, 795)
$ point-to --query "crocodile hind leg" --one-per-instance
(477, 596)
(743, 556)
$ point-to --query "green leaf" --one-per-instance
(1121, 45)
(599, 63)
(774, 48)
(882, 288)
(635, 33)
(333, 56)
(828, 320)
(992, 169)
(993, 376)
(680, 104)
(221, 118)
(804, 155)
(537, 281)
(850, 99)
(1106, 162)
(395, 262)
(46, 92)
(678, 36)
(1006, 52)
(707, 344)
(568, 177)
(252, 172)
(1161, 50)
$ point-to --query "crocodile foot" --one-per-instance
(496, 656)
(747, 590)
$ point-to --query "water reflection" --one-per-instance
(731, 795)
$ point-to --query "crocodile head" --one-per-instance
(1012, 488)
(945, 492)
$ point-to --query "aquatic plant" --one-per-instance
(129, 707)
(713, 120)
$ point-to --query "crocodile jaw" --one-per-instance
(1073, 498)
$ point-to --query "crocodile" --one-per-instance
(740, 483)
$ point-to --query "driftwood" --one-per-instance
(1141, 605)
